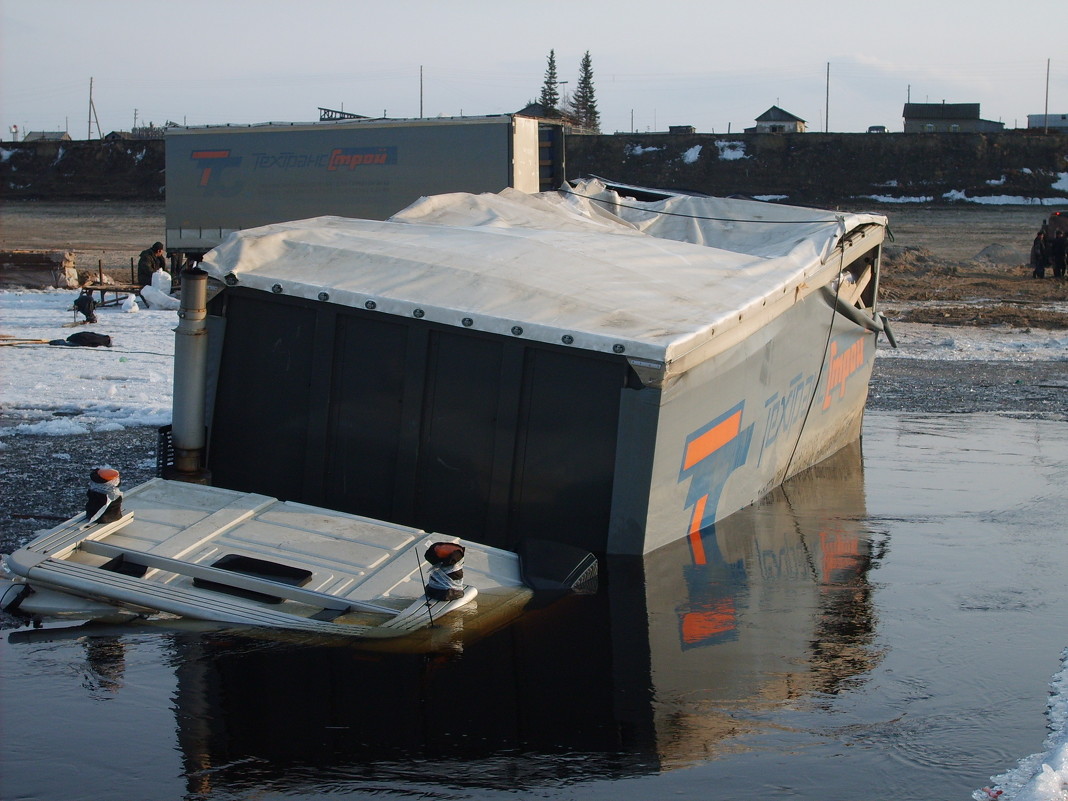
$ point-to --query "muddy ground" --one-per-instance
(951, 266)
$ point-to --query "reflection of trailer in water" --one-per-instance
(672, 661)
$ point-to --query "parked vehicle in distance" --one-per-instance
(877, 129)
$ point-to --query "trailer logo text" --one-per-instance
(349, 158)
(841, 367)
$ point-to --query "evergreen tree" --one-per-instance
(550, 95)
(584, 102)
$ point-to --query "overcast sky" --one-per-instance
(714, 65)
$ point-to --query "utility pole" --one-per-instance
(92, 116)
(827, 102)
(420, 91)
(1045, 112)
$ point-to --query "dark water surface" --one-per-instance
(885, 627)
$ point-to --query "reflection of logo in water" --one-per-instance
(841, 367)
(711, 454)
(708, 621)
(212, 163)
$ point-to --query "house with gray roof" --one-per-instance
(47, 136)
(776, 120)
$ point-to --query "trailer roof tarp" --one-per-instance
(584, 265)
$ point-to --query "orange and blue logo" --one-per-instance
(212, 163)
(711, 455)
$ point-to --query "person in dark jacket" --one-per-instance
(1058, 254)
(152, 259)
(85, 304)
(1039, 256)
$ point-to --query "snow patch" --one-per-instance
(1042, 776)
(638, 150)
(892, 199)
(1004, 200)
(61, 390)
(729, 151)
(691, 155)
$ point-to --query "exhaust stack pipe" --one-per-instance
(188, 428)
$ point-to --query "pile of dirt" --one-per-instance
(994, 288)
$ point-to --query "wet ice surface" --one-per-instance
(886, 627)
(882, 629)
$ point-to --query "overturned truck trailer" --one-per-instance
(575, 365)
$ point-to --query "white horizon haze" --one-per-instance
(714, 65)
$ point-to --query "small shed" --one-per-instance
(947, 118)
(47, 136)
(776, 120)
(1053, 122)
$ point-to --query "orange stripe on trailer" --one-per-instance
(696, 545)
(712, 440)
(211, 154)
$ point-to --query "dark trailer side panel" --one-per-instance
(465, 433)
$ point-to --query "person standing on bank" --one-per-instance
(1058, 252)
(1039, 256)
(152, 259)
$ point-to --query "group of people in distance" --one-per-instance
(1047, 252)
(151, 259)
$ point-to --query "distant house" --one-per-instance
(536, 109)
(47, 136)
(775, 120)
(1055, 122)
(947, 118)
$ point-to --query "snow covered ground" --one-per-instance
(1042, 776)
(63, 390)
(52, 389)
